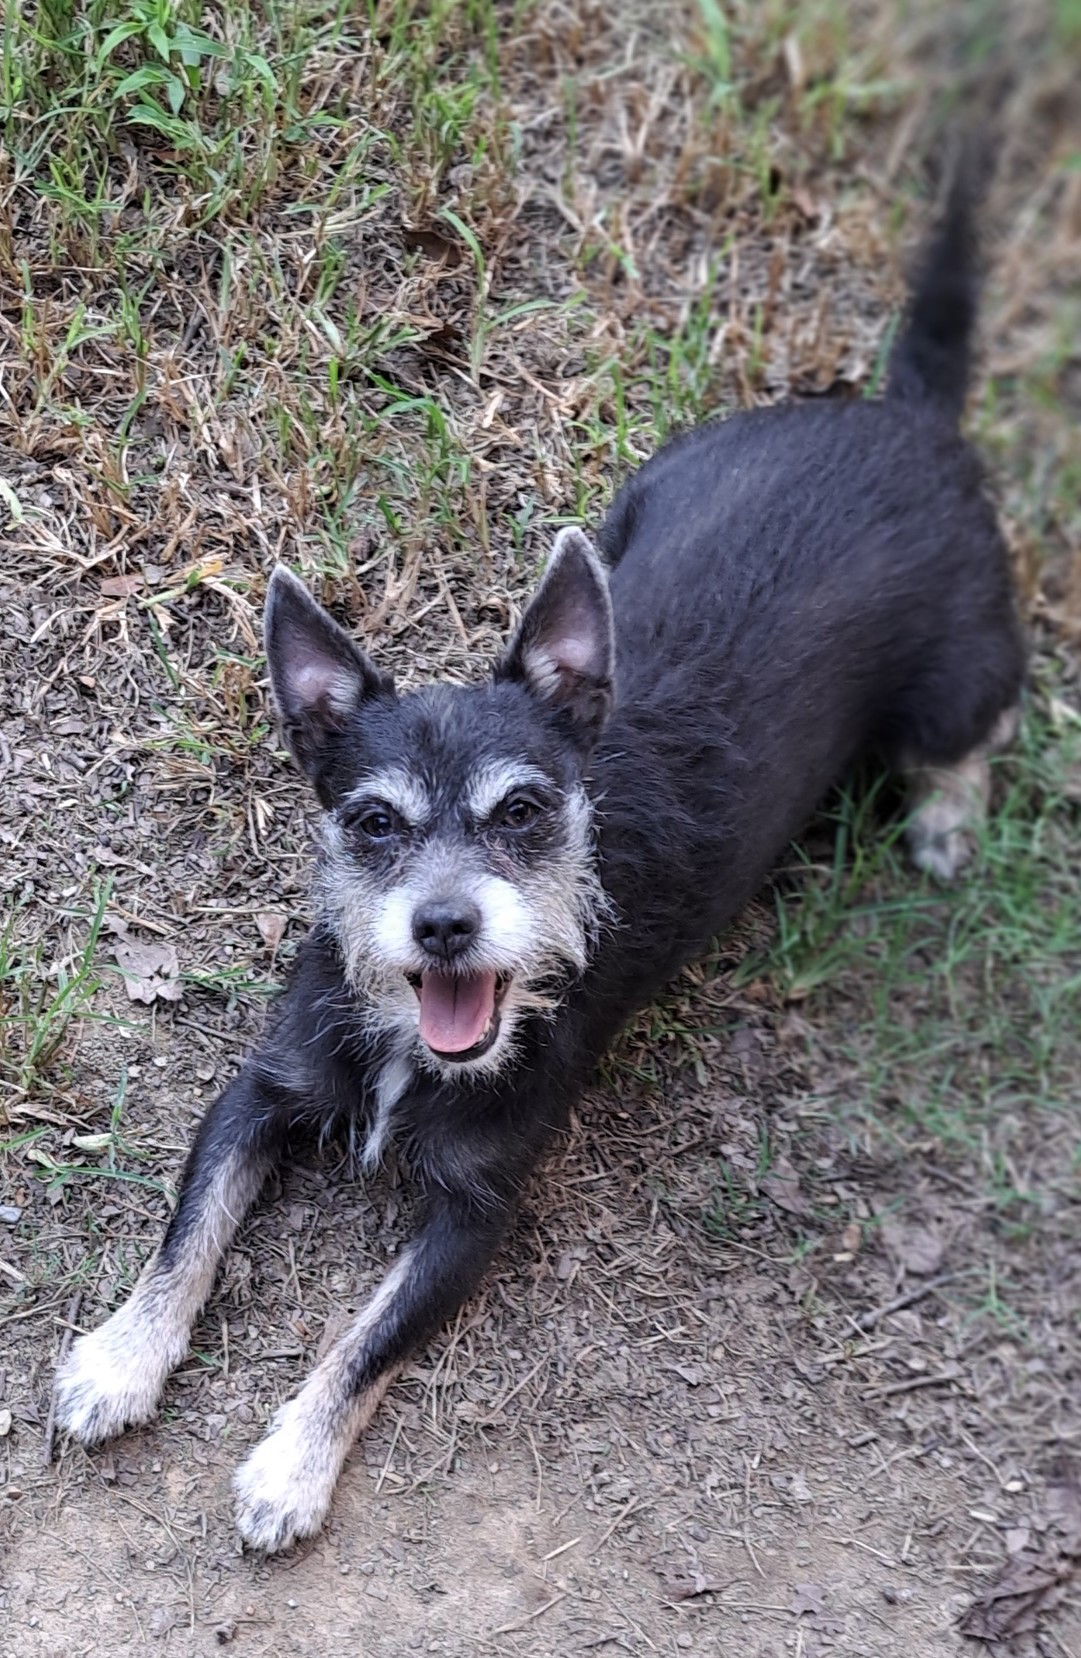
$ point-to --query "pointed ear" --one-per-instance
(320, 677)
(563, 651)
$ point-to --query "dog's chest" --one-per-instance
(393, 1080)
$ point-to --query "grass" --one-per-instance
(962, 1004)
(41, 1001)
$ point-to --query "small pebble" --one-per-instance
(10, 1213)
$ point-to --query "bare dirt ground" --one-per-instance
(784, 1357)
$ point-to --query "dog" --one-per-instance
(509, 870)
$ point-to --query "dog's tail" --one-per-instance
(932, 357)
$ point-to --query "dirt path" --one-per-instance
(642, 1438)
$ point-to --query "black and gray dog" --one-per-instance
(509, 870)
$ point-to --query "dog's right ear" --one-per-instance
(320, 677)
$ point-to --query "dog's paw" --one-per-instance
(107, 1383)
(283, 1490)
(943, 832)
(941, 852)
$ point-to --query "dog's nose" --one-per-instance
(445, 927)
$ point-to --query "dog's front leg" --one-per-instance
(285, 1486)
(113, 1377)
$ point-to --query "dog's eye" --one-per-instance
(519, 812)
(377, 824)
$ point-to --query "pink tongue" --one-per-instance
(455, 1009)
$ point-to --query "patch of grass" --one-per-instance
(113, 1149)
(43, 1001)
(737, 1203)
(960, 1006)
(735, 1207)
(236, 984)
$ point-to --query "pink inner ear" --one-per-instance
(318, 680)
(575, 651)
(312, 680)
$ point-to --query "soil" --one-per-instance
(644, 1436)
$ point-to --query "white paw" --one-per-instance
(111, 1380)
(943, 854)
(283, 1490)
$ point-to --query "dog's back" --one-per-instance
(791, 586)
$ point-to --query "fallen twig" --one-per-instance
(868, 1320)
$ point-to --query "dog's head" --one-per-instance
(457, 870)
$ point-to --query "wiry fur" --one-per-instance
(787, 589)
(537, 922)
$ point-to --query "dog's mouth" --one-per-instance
(459, 1012)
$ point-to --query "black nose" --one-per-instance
(445, 927)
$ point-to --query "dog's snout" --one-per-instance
(445, 927)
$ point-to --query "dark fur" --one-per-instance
(789, 588)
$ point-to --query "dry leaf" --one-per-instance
(807, 1597)
(151, 971)
(917, 1249)
(1012, 1605)
(1064, 1509)
(793, 62)
(433, 245)
(163, 1619)
(92, 1142)
(204, 569)
(681, 1589)
(782, 1187)
(692, 1374)
(121, 587)
(805, 203)
(271, 925)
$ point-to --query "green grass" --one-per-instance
(150, 142)
(43, 1000)
(961, 1005)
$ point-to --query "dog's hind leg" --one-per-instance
(284, 1488)
(948, 803)
(113, 1377)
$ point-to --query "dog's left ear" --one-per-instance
(563, 651)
